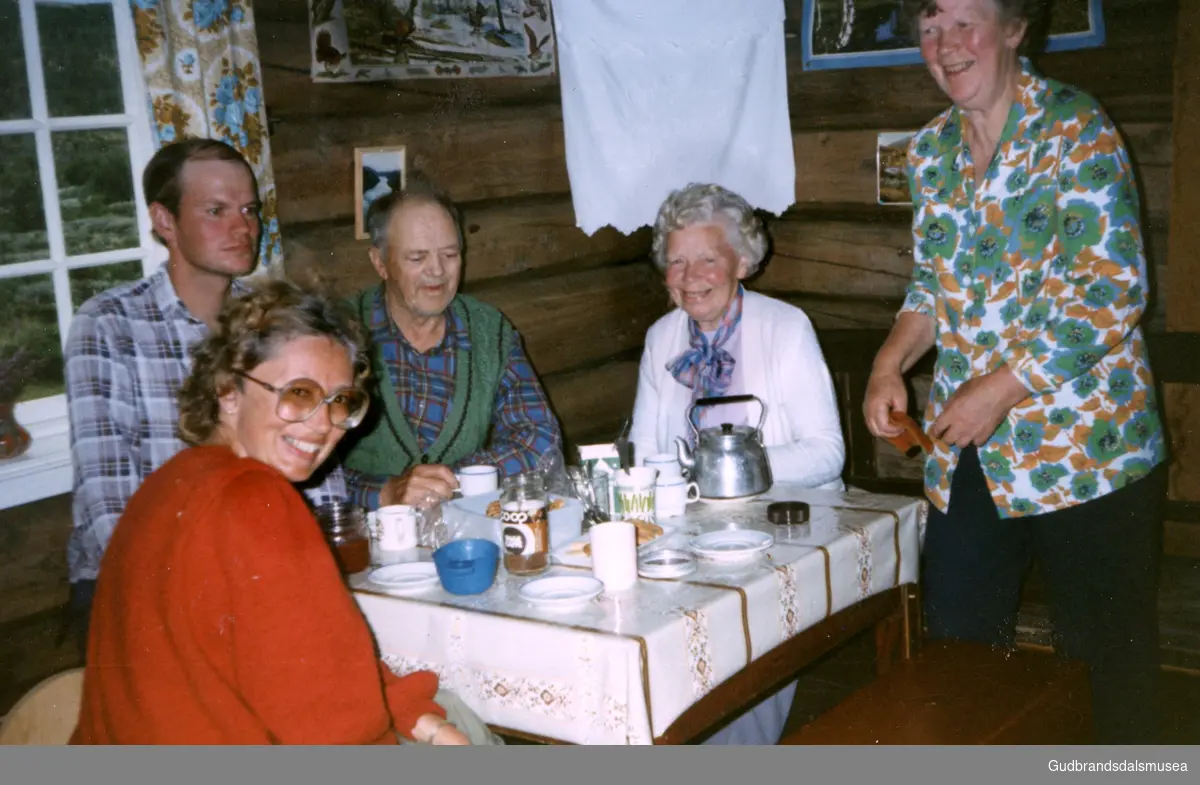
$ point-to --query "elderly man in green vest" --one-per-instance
(454, 386)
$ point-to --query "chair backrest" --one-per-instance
(47, 714)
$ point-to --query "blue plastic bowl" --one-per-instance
(467, 566)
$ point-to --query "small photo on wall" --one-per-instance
(892, 160)
(377, 171)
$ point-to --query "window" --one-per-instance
(74, 137)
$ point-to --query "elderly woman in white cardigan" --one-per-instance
(723, 340)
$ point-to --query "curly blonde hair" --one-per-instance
(250, 329)
(704, 203)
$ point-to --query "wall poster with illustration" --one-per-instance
(369, 40)
(866, 33)
(377, 171)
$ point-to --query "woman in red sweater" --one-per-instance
(220, 615)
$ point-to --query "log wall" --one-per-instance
(583, 303)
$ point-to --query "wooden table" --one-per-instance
(669, 660)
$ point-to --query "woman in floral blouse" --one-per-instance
(1030, 280)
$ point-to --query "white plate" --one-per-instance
(730, 545)
(560, 592)
(666, 563)
(407, 576)
(571, 553)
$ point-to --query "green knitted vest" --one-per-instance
(385, 443)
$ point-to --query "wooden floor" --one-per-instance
(840, 673)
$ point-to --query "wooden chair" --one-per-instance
(48, 713)
(963, 693)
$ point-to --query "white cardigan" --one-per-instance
(781, 363)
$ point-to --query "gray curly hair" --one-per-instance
(703, 203)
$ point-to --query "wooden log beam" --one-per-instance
(1182, 404)
(503, 238)
(505, 152)
(840, 258)
(578, 319)
(510, 152)
(594, 402)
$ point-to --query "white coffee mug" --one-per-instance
(671, 498)
(478, 480)
(667, 465)
(614, 554)
(635, 493)
(397, 527)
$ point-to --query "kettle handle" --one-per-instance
(723, 399)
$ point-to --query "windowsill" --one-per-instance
(45, 468)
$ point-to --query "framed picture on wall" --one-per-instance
(377, 171)
(867, 33)
(892, 165)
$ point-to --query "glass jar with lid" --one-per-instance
(525, 524)
(345, 529)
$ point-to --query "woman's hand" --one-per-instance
(419, 485)
(432, 729)
(977, 407)
(885, 393)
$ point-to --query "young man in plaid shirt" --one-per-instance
(127, 350)
(454, 385)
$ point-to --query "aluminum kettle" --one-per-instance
(729, 461)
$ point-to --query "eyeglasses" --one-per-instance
(300, 399)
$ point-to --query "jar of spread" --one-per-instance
(345, 529)
(524, 523)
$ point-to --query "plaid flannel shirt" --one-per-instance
(126, 357)
(523, 426)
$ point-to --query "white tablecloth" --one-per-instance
(622, 670)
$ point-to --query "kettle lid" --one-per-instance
(728, 432)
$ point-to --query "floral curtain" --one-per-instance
(200, 61)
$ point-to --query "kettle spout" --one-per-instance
(685, 453)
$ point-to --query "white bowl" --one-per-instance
(566, 523)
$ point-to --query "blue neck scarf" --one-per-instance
(707, 367)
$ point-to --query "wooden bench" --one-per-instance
(963, 693)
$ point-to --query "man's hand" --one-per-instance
(885, 393)
(976, 409)
(419, 486)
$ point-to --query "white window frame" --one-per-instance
(45, 469)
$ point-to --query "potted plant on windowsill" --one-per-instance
(16, 367)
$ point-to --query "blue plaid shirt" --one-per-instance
(523, 426)
(127, 355)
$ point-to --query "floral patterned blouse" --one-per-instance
(1037, 263)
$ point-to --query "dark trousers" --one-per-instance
(1100, 562)
(79, 612)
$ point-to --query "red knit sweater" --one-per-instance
(220, 617)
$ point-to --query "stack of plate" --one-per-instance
(406, 577)
(561, 592)
(730, 546)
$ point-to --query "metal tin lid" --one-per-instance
(787, 513)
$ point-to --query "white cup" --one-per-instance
(671, 498)
(614, 554)
(635, 493)
(478, 480)
(667, 465)
(397, 527)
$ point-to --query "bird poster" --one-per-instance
(370, 40)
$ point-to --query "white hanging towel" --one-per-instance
(660, 93)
